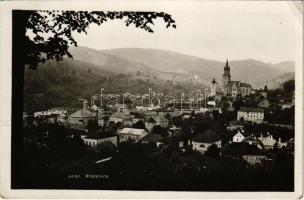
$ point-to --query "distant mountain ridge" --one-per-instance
(64, 83)
(278, 81)
(172, 65)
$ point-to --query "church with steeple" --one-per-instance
(233, 88)
(226, 76)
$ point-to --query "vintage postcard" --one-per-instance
(142, 99)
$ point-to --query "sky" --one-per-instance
(217, 30)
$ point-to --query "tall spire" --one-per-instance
(227, 63)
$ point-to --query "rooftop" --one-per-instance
(238, 84)
(83, 113)
(254, 140)
(134, 131)
(246, 109)
(242, 149)
(152, 138)
(121, 114)
(206, 138)
(99, 136)
(151, 120)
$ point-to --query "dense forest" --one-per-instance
(64, 83)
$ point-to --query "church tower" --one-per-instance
(226, 75)
(213, 87)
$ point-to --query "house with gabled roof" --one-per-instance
(156, 139)
(134, 134)
(264, 103)
(150, 123)
(123, 116)
(268, 141)
(238, 137)
(96, 140)
(251, 139)
(79, 119)
(249, 152)
(202, 141)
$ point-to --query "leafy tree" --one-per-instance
(140, 124)
(168, 116)
(213, 151)
(106, 149)
(159, 130)
(288, 87)
(60, 25)
(92, 126)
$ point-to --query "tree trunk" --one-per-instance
(18, 59)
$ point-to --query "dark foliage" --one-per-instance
(60, 25)
(142, 167)
(213, 151)
(140, 124)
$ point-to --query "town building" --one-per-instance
(80, 118)
(202, 142)
(238, 137)
(235, 125)
(252, 140)
(251, 114)
(213, 88)
(156, 139)
(267, 141)
(137, 116)
(158, 119)
(150, 123)
(249, 152)
(281, 144)
(103, 119)
(96, 140)
(134, 134)
(264, 103)
(287, 105)
(123, 116)
(233, 88)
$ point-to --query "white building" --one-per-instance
(121, 116)
(95, 141)
(203, 141)
(134, 134)
(213, 88)
(267, 141)
(251, 114)
(238, 137)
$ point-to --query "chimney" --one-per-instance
(85, 104)
(279, 140)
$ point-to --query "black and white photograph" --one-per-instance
(180, 96)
